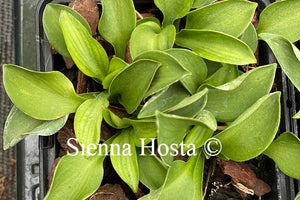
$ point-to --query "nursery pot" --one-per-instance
(35, 155)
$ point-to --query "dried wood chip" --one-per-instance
(81, 83)
(241, 174)
(62, 137)
(109, 192)
(144, 15)
(89, 10)
(11, 163)
(128, 57)
(50, 176)
(139, 193)
(68, 62)
(2, 185)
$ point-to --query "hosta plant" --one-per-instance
(183, 88)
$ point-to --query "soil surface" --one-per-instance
(5, 183)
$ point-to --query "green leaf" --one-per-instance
(197, 136)
(230, 17)
(41, 95)
(169, 72)
(183, 181)
(52, 28)
(297, 115)
(116, 23)
(198, 177)
(115, 66)
(200, 3)
(253, 131)
(113, 120)
(230, 100)
(190, 106)
(124, 85)
(216, 46)
(173, 10)
(250, 37)
(89, 95)
(88, 55)
(151, 169)
(147, 19)
(193, 63)
(152, 37)
(281, 18)
(223, 75)
(18, 125)
(87, 121)
(286, 54)
(153, 195)
(76, 177)
(172, 129)
(125, 163)
(212, 67)
(298, 196)
(164, 100)
(145, 129)
(285, 151)
(183, 173)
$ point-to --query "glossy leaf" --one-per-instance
(89, 95)
(164, 100)
(200, 3)
(27, 89)
(82, 177)
(242, 140)
(124, 85)
(173, 10)
(297, 115)
(188, 174)
(250, 37)
(193, 63)
(281, 18)
(117, 23)
(153, 195)
(88, 55)
(198, 177)
(115, 66)
(151, 169)
(285, 151)
(113, 120)
(190, 106)
(286, 54)
(212, 67)
(183, 173)
(52, 28)
(145, 129)
(126, 160)
(169, 72)
(216, 46)
(88, 119)
(172, 128)
(147, 19)
(18, 125)
(152, 37)
(230, 100)
(298, 196)
(223, 75)
(231, 17)
(197, 136)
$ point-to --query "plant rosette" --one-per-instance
(181, 91)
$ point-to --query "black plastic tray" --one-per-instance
(36, 155)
